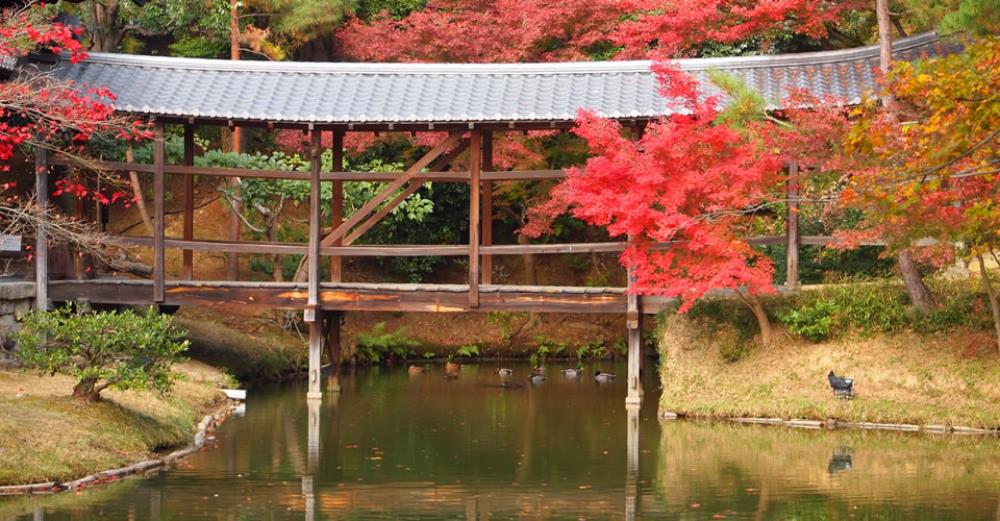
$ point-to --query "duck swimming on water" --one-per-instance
(603, 377)
(503, 371)
(574, 371)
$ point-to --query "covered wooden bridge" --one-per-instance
(466, 103)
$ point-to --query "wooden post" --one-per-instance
(41, 234)
(188, 259)
(475, 169)
(337, 205)
(159, 265)
(634, 325)
(487, 267)
(792, 228)
(333, 349)
(313, 315)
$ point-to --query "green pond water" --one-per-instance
(401, 446)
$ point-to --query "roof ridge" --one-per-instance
(591, 67)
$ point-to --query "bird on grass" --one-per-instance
(603, 377)
(842, 387)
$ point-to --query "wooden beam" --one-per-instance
(337, 208)
(159, 229)
(386, 192)
(41, 234)
(441, 162)
(379, 215)
(487, 194)
(188, 255)
(475, 168)
(792, 228)
(315, 226)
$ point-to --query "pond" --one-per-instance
(401, 446)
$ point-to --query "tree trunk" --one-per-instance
(86, 389)
(104, 29)
(140, 200)
(992, 296)
(763, 323)
(885, 49)
(920, 296)
(528, 260)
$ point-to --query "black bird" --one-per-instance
(842, 387)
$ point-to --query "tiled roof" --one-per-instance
(448, 93)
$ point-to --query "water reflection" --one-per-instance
(394, 445)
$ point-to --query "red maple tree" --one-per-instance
(682, 195)
(40, 111)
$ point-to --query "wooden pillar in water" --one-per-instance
(337, 204)
(487, 210)
(333, 349)
(313, 314)
(632, 463)
(633, 321)
(792, 230)
(188, 255)
(475, 169)
(41, 234)
(159, 193)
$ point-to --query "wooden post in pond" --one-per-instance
(313, 315)
(188, 255)
(159, 260)
(41, 234)
(633, 322)
(337, 205)
(487, 211)
(792, 233)
(333, 349)
(632, 463)
(475, 169)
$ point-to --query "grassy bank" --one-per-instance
(941, 369)
(47, 436)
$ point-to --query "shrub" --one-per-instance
(378, 345)
(812, 322)
(116, 349)
(468, 351)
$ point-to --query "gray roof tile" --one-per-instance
(443, 93)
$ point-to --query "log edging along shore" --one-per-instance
(210, 421)
(832, 424)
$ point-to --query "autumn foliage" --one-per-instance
(688, 182)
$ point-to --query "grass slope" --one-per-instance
(45, 435)
(948, 377)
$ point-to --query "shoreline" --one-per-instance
(834, 424)
(207, 424)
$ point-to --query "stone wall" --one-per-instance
(16, 298)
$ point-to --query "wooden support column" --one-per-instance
(159, 264)
(337, 204)
(313, 315)
(487, 263)
(41, 234)
(333, 319)
(634, 325)
(475, 169)
(188, 259)
(792, 228)
(632, 489)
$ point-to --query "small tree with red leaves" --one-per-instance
(683, 195)
(39, 111)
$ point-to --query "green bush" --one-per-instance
(116, 349)
(812, 322)
(379, 345)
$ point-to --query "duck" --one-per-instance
(536, 378)
(573, 372)
(415, 369)
(504, 372)
(603, 377)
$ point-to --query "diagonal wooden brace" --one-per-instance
(441, 163)
(452, 139)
